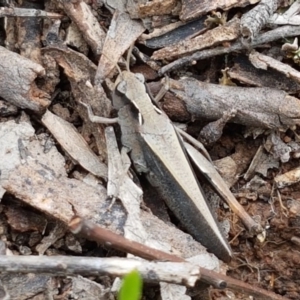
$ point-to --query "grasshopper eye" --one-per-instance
(140, 77)
(122, 87)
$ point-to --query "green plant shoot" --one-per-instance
(132, 286)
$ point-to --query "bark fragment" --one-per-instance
(81, 74)
(253, 21)
(27, 12)
(230, 31)
(288, 178)
(73, 143)
(192, 9)
(156, 7)
(29, 31)
(80, 13)
(22, 90)
(262, 61)
(173, 33)
(246, 73)
(116, 43)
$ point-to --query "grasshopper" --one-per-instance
(157, 150)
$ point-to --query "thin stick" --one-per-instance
(96, 233)
(176, 273)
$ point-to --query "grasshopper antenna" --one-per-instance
(128, 57)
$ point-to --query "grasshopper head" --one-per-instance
(131, 87)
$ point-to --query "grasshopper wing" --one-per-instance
(172, 174)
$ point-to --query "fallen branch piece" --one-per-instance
(17, 86)
(183, 273)
(253, 21)
(290, 16)
(257, 107)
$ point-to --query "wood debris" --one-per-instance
(192, 9)
(244, 72)
(81, 14)
(288, 178)
(120, 23)
(25, 71)
(69, 191)
(251, 110)
(156, 8)
(213, 37)
(74, 144)
(164, 271)
(253, 21)
(261, 61)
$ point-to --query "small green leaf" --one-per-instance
(132, 286)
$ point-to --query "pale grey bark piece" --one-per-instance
(74, 144)
(27, 286)
(81, 14)
(17, 86)
(121, 186)
(113, 5)
(53, 195)
(27, 12)
(254, 20)
(174, 272)
(122, 33)
(74, 38)
(87, 289)
(10, 135)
